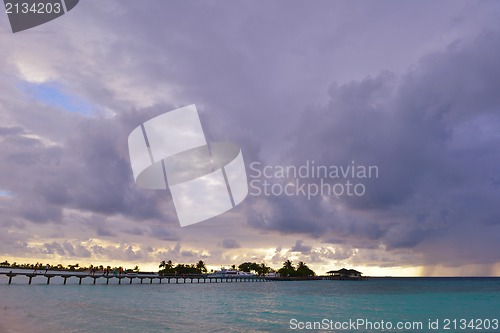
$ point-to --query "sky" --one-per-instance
(410, 88)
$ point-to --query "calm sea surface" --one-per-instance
(251, 307)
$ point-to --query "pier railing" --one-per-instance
(130, 278)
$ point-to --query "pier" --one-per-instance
(127, 278)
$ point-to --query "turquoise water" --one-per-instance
(248, 307)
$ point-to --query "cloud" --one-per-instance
(163, 233)
(54, 248)
(5, 131)
(87, 170)
(134, 231)
(430, 132)
(104, 232)
(229, 243)
(299, 247)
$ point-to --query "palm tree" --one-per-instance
(201, 266)
(245, 267)
(167, 266)
(287, 269)
(263, 269)
(288, 265)
(301, 265)
(304, 270)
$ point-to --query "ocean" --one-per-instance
(438, 304)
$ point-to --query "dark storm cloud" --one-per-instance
(87, 169)
(163, 233)
(54, 248)
(4, 131)
(102, 232)
(300, 247)
(433, 133)
(134, 231)
(76, 250)
(40, 213)
(230, 243)
(103, 169)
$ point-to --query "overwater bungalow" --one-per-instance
(345, 274)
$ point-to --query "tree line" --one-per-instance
(302, 270)
(288, 269)
(169, 268)
(61, 267)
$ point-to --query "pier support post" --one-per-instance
(10, 275)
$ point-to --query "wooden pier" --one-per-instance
(150, 278)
